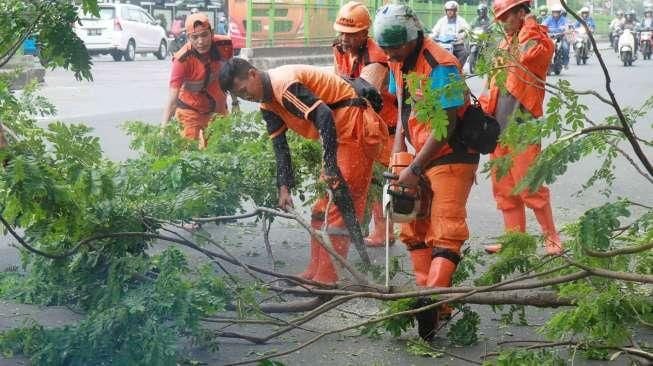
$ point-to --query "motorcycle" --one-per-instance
(556, 61)
(615, 39)
(446, 42)
(178, 41)
(627, 47)
(475, 47)
(646, 43)
(581, 45)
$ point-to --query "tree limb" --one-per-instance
(616, 252)
(623, 276)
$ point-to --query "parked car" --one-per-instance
(122, 30)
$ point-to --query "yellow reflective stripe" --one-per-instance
(193, 86)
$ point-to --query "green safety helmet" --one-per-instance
(543, 9)
(395, 24)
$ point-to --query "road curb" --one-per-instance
(267, 58)
(22, 70)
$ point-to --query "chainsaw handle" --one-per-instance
(390, 176)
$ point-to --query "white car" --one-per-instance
(122, 30)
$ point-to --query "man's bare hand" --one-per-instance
(285, 199)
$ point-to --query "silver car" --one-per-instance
(122, 30)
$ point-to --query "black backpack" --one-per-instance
(477, 130)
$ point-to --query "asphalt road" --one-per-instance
(123, 91)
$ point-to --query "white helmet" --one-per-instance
(556, 8)
(584, 9)
(451, 5)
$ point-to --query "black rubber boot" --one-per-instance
(427, 321)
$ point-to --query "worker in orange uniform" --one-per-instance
(356, 55)
(317, 104)
(434, 241)
(195, 95)
(531, 51)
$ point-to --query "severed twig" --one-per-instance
(266, 225)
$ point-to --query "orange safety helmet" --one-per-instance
(500, 7)
(194, 18)
(353, 17)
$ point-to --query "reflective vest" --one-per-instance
(351, 68)
(200, 90)
(430, 56)
(534, 52)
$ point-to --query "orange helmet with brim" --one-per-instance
(501, 7)
(353, 17)
(193, 19)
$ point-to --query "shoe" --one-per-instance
(492, 249)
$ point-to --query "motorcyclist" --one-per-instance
(452, 27)
(482, 20)
(585, 15)
(221, 27)
(557, 25)
(616, 24)
(630, 22)
(542, 13)
(647, 22)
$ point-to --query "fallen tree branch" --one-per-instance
(539, 344)
(242, 321)
(358, 276)
(376, 320)
(616, 252)
(623, 276)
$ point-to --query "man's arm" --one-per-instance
(171, 106)
(435, 32)
(285, 176)
(534, 49)
(301, 102)
(176, 80)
